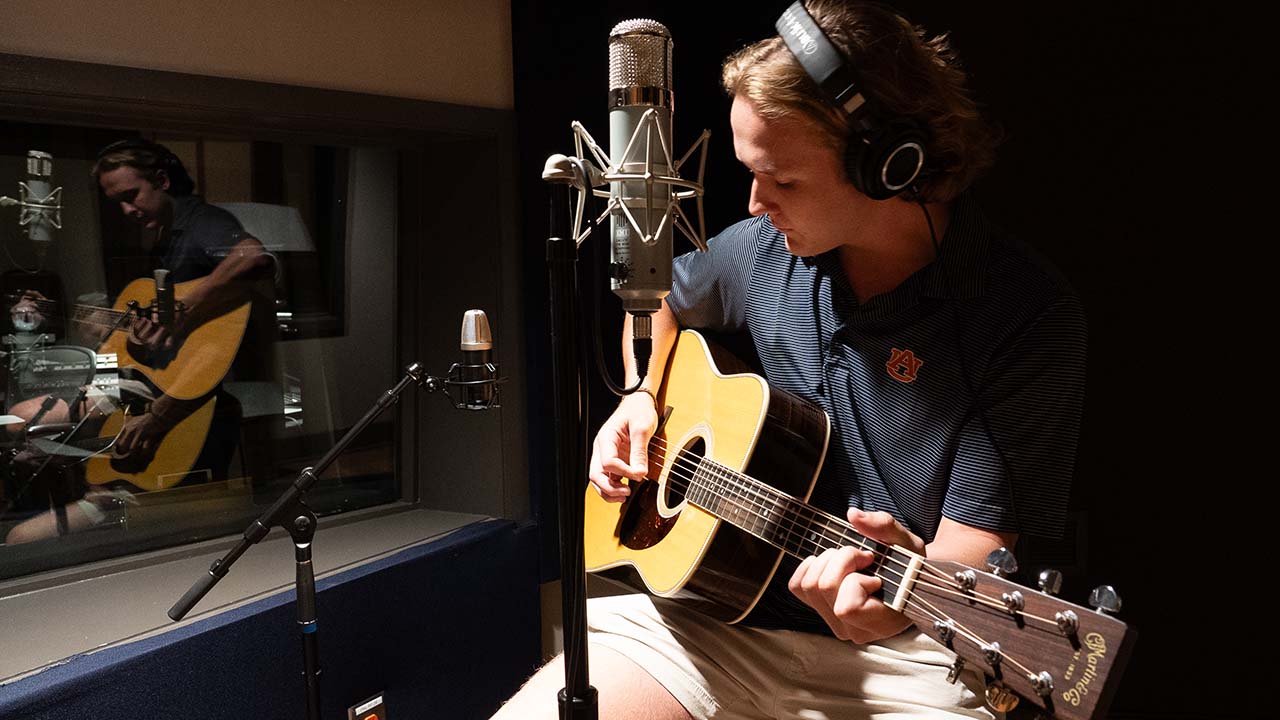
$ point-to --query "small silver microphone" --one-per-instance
(476, 374)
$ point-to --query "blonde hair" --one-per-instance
(905, 74)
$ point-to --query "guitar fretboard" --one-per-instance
(105, 317)
(90, 314)
(790, 524)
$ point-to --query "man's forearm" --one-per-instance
(228, 285)
(170, 411)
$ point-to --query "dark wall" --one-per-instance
(1124, 140)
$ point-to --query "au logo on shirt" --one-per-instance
(903, 365)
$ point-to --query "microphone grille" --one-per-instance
(39, 164)
(639, 55)
(475, 331)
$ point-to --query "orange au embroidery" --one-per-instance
(903, 365)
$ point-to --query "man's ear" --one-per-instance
(162, 181)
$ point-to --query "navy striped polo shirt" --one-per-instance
(957, 393)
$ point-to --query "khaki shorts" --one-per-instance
(733, 672)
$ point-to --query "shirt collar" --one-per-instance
(184, 207)
(959, 271)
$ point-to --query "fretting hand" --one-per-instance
(835, 585)
(147, 330)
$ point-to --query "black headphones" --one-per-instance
(882, 158)
(164, 155)
(179, 179)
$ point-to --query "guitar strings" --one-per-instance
(922, 606)
(973, 637)
(88, 311)
(685, 461)
(727, 473)
(832, 523)
(925, 608)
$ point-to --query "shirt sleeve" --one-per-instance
(709, 289)
(1017, 449)
(220, 231)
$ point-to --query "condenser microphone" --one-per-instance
(42, 212)
(640, 107)
(39, 203)
(640, 82)
(476, 376)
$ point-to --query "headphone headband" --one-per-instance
(881, 158)
(136, 143)
(824, 63)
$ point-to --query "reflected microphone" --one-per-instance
(39, 201)
(640, 262)
(475, 377)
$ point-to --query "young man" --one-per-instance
(192, 240)
(949, 359)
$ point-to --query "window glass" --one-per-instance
(201, 319)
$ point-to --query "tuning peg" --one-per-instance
(1000, 698)
(1041, 682)
(1104, 599)
(1050, 581)
(1002, 562)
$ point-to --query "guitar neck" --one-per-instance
(97, 315)
(792, 525)
(1068, 655)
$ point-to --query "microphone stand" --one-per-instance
(290, 512)
(578, 699)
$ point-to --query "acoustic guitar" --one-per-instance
(174, 456)
(172, 461)
(197, 365)
(730, 470)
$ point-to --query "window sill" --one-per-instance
(54, 616)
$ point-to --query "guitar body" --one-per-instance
(174, 456)
(199, 363)
(656, 541)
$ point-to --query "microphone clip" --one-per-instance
(476, 385)
(585, 177)
(467, 386)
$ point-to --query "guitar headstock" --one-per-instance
(1064, 658)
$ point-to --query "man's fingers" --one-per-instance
(602, 470)
(607, 481)
(639, 453)
(854, 596)
(838, 563)
(881, 526)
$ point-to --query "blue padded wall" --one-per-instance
(447, 629)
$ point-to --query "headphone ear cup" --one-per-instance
(887, 163)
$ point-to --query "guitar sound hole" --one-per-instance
(682, 469)
(641, 524)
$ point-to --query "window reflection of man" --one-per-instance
(193, 240)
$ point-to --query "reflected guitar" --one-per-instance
(730, 470)
(173, 459)
(197, 365)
